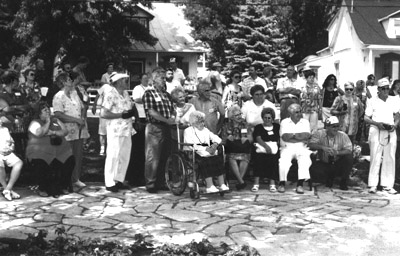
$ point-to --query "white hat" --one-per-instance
(114, 77)
(331, 120)
(172, 60)
(383, 82)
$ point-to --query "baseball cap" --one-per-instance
(172, 60)
(116, 76)
(331, 120)
(216, 64)
(383, 82)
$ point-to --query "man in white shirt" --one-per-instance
(105, 78)
(382, 113)
(294, 132)
(170, 83)
(178, 73)
(288, 90)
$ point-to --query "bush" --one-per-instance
(67, 245)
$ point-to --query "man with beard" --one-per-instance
(170, 82)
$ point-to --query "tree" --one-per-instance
(96, 29)
(211, 20)
(255, 38)
(305, 23)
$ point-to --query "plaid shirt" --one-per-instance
(158, 101)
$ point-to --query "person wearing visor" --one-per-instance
(118, 109)
(382, 113)
(334, 153)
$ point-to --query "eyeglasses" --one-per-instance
(268, 117)
(348, 89)
(236, 77)
(385, 88)
(258, 94)
(334, 126)
(31, 74)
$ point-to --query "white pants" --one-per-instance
(299, 152)
(313, 119)
(117, 160)
(379, 144)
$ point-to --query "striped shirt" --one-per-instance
(157, 101)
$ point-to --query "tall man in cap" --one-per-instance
(118, 108)
(382, 113)
(334, 151)
(217, 80)
(178, 73)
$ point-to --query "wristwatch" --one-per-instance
(294, 134)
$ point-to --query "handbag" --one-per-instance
(272, 144)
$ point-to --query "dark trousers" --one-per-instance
(322, 172)
(54, 177)
(157, 148)
(135, 173)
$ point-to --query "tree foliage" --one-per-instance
(96, 29)
(305, 23)
(256, 38)
(211, 20)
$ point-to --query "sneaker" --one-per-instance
(299, 190)
(391, 191)
(79, 184)
(224, 187)
(372, 190)
(212, 189)
(272, 188)
(281, 189)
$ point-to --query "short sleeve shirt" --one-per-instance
(102, 91)
(158, 101)
(117, 103)
(138, 92)
(382, 111)
(289, 127)
(252, 112)
(340, 142)
(71, 106)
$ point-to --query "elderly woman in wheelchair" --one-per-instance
(205, 144)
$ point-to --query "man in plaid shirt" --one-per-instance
(159, 111)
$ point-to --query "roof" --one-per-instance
(172, 30)
(365, 17)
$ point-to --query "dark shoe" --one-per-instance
(329, 183)
(151, 190)
(112, 189)
(241, 186)
(122, 186)
(281, 189)
(163, 188)
(343, 185)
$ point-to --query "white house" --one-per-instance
(166, 22)
(364, 38)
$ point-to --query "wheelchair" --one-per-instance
(181, 170)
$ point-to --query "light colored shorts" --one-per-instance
(9, 160)
(102, 126)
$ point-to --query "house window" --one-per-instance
(143, 21)
(395, 70)
(397, 27)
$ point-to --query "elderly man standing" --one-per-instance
(159, 110)
(212, 108)
(118, 108)
(289, 91)
(382, 113)
(294, 132)
(334, 152)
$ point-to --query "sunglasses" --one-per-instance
(348, 89)
(31, 74)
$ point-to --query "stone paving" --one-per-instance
(321, 222)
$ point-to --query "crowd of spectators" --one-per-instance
(268, 127)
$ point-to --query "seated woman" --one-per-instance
(205, 144)
(235, 137)
(49, 153)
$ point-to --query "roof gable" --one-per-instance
(365, 16)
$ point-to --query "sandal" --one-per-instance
(272, 188)
(15, 195)
(255, 188)
(7, 195)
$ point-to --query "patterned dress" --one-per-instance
(239, 148)
(355, 109)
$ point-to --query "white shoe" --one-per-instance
(79, 184)
(102, 151)
(212, 189)
(224, 187)
(390, 190)
(372, 190)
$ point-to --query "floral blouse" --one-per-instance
(117, 103)
(71, 106)
(355, 109)
(310, 98)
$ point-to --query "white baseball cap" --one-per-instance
(114, 77)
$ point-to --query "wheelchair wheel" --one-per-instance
(175, 174)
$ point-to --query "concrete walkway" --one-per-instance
(322, 222)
